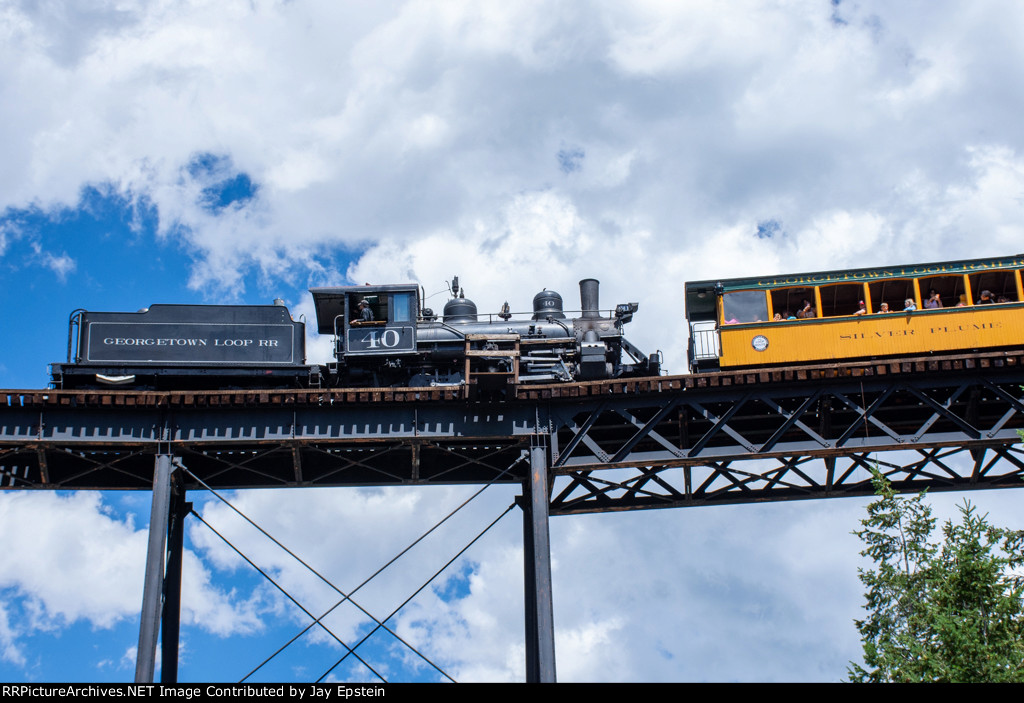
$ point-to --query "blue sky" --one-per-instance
(198, 152)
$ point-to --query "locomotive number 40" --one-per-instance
(388, 339)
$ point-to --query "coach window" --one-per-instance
(841, 299)
(787, 301)
(1001, 284)
(744, 306)
(949, 288)
(893, 291)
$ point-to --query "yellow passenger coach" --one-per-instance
(856, 314)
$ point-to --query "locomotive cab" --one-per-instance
(369, 324)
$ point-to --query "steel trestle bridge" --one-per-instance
(942, 423)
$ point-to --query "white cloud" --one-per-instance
(96, 577)
(80, 563)
(399, 125)
(652, 38)
(129, 658)
(61, 264)
(9, 649)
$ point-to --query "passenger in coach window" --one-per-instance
(861, 308)
(884, 308)
(806, 312)
(908, 305)
(986, 298)
(963, 301)
(934, 301)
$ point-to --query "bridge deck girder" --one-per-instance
(666, 442)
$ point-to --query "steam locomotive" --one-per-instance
(383, 336)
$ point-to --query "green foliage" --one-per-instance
(939, 612)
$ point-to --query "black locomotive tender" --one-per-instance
(403, 344)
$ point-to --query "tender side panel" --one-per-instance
(189, 343)
(176, 335)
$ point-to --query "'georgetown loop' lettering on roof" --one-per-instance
(897, 272)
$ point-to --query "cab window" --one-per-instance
(378, 307)
(401, 304)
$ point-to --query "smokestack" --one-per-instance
(589, 297)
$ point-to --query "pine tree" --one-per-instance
(949, 612)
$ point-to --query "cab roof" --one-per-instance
(330, 302)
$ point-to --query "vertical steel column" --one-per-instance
(152, 591)
(540, 621)
(172, 582)
(529, 588)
